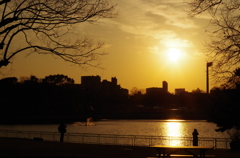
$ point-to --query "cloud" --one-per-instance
(163, 21)
(154, 49)
(148, 31)
(176, 43)
(152, 17)
(173, 11)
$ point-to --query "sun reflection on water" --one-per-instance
(174, 130)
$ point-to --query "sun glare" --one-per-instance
(174, 130)
(174, 54)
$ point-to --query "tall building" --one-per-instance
(114, 80)
(165, 86)
(90, 81)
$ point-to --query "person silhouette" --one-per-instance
(195, 137)
(62, 130)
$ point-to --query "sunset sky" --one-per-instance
(138, 42)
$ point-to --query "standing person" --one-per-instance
(195, 137)
(62, 130)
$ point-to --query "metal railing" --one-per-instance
(111, 139)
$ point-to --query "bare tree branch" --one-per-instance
(50, 22)
(224, 48)
(200, 6)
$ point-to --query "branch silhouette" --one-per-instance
(44, 27)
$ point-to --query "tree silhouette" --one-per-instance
(223, 49)
(58, 80)
(8, 80)
(43, 26)
(234, 80)
(200, 6)
(225, 112)
(198, 91)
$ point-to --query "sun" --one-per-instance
(174, 54)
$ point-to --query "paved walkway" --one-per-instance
(15, 148)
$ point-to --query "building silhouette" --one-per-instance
(157, 90)
(165, 86)
(90, 81)
(158, 96)
(179, 91)
(103, 92)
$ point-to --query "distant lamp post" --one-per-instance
(208, 65)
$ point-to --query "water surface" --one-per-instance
(182, 128)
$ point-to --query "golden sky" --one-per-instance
(138, 41)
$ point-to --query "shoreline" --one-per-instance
(96, 120)
(81, 117)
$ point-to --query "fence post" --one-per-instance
(29, 134)
(67, 137)
(150, 141)
(133, 143)
(115, 140)
(226, 143)
(82, 138)
(98, 138)
(53, 137)
(215, 142)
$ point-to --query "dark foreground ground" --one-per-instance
(15, 148)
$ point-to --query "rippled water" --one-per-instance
(182, 128)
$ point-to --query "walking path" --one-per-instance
(15, 148)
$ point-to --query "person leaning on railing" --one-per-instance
(195, 137)
(62, 130)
